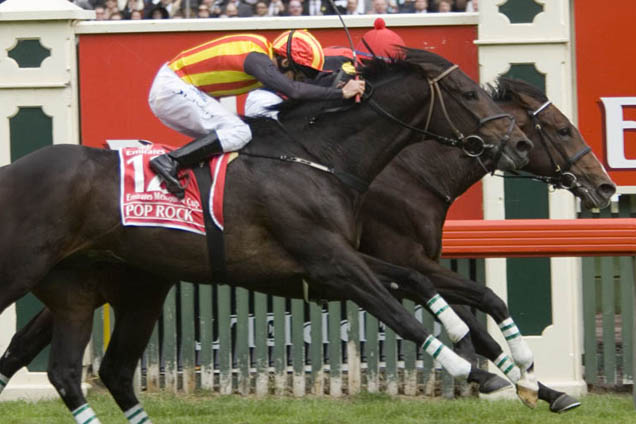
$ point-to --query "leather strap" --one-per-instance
(214, 235)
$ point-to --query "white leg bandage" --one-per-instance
(456, 366)
(3, 382)
(508, 367)
(85, 415)
(455, 327)
(137, 415)
(519, 349)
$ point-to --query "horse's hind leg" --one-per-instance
(71, 333)
(25, 345)
(136, 312)
(70, 337)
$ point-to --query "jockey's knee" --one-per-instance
(235, 137)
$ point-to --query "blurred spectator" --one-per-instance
(203, 11)
(170, 5)
(230, 11)
(444, 6)
(244, 10)
(420, 6)
(100, 13)
(158, 12)
(116, 16)
(131, 5)
(458, 5)
(136, 15)
(379, 7)
(178, 14)
(313, 7)
(213, 6)
(352, 8)
(472, 6)
(295, 8)
(111, 7)
(406, 6)
(260, 8)
(276, 8)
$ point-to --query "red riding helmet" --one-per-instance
(381, 42)
(305, 48)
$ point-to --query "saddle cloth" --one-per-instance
(145, 202)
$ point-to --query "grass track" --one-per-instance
(363, 409)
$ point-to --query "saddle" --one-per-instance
(145, 203)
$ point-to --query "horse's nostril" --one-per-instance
(524, 146)
(606, 190)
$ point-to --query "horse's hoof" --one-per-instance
(528, 395)
(493, 385)
(564, 403)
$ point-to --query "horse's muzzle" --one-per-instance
(517, 153)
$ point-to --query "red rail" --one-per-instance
(539, 237)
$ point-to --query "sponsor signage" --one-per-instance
(606, 88)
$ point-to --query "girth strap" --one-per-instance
(213, 234)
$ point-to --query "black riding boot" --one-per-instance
(196, 151)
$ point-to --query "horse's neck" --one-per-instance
(360, 141)
(445, 170)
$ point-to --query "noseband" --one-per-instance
(563, 178)
(472, 145)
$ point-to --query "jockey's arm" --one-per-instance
(261, 67)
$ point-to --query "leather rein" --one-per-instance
(472, 145)
(563, 178)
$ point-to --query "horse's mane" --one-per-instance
(503, 88)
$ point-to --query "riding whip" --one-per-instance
(353, 50)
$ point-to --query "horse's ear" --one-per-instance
(430, 69)
(523, 99)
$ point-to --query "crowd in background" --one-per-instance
(174, 9)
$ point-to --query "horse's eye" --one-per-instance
(470, 95)
(564, 132)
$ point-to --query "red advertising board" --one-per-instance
(116, 71)
(606, 86)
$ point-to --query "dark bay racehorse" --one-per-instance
(283, 221)
(427, 174)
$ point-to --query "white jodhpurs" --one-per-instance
(258, 102)
(185, 108)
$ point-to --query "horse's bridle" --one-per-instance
(472, 145)
(563, 178)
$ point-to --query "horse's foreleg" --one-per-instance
(347, 272)
(486, 346)
(417, 287)
(460, 290)
(25, 345)
(136, 316)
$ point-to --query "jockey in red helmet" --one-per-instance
(184, 94)
(380, 42)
